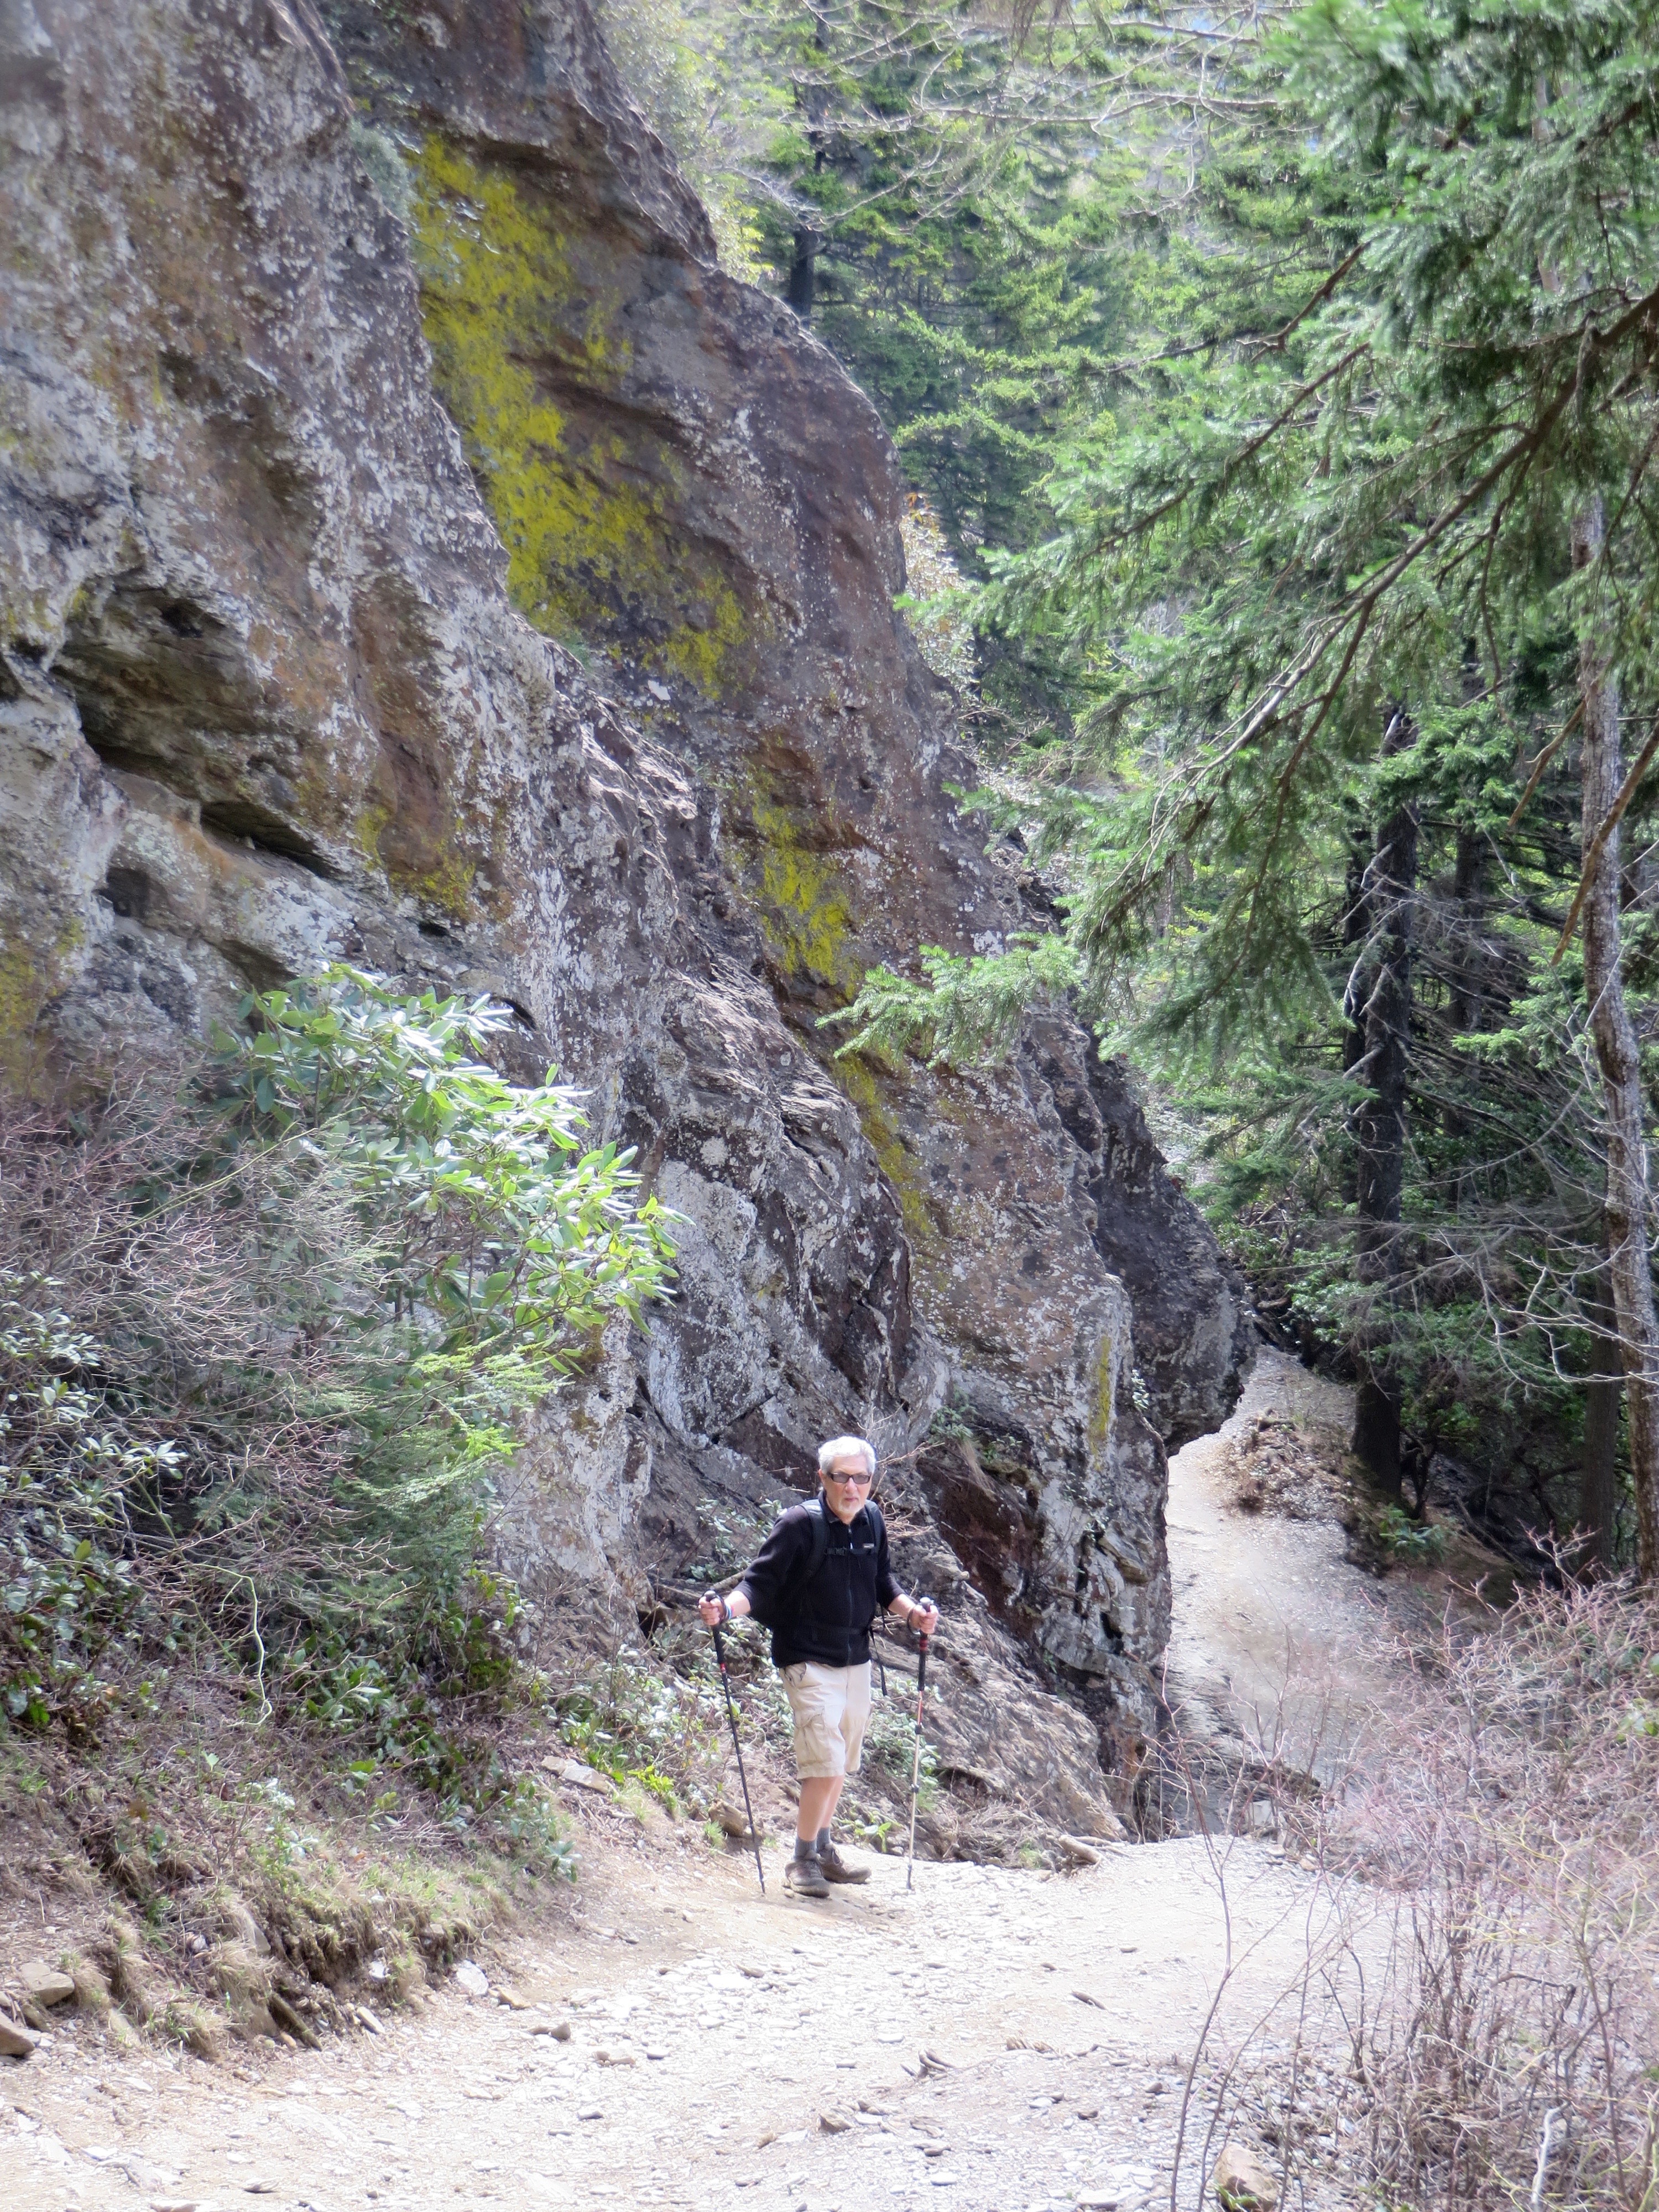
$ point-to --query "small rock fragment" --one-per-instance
(558, 2029)
(15, 2040)
(833, 2123)
(575, 1776)
(1084, 1997)
(511, 1999)
(291, 2021)
(472, 1978)
(47, 1985)
(1241, 2182)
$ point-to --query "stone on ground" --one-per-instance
(1241, 2182)
(47, 1985)
(575, 1776)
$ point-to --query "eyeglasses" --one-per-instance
(862, 1478)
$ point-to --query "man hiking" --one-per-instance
(816, 1584)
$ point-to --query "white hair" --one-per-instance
(844, 1448)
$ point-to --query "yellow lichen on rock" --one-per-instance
(588, 515)
(29, 980)
(802, 901)
(898, 1164)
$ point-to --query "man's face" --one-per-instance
(847, 1485)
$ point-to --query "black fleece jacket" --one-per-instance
(826, 1616)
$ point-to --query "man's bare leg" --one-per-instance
(818, 1800)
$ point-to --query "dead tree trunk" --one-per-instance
(1380, 1011)
(1614, 1037)
(1598, 1458)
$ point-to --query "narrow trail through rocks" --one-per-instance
(1277, 1640)
(995, 2040)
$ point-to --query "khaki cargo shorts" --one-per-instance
(831, 1706)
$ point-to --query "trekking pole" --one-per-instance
(731, 1715)
(915, 1762)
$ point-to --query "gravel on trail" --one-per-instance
(995, 2040)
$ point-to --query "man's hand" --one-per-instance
(712, 1609)
(924, 1619)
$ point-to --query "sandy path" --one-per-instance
(712, 2030)
(1276, 1638)
(745, 2022)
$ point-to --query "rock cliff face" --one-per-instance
(415, 551)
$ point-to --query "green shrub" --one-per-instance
(266, 1332)
(1417, 1543)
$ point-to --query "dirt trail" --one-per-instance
(710, 2031)
(1276, 1638)
(996, 2040)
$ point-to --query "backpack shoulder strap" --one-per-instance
(819, 1521)
(820, 1550)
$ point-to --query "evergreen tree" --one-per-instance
(1315, 589)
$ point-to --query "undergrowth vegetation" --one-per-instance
(1483, 1932)
(268, 1322)
(1511, 2050)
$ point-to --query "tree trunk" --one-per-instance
(1380, 1009)
(1598, 1462)
(1614, 1037)
(804, 273)
(1468, 887)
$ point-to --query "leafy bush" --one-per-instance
(657, 1722)
(266, 1328)
(1418, 1543)
(890, 1745)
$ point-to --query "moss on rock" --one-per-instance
(590, 516)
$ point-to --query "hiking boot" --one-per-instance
(835, 1868)
(805, 1878)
